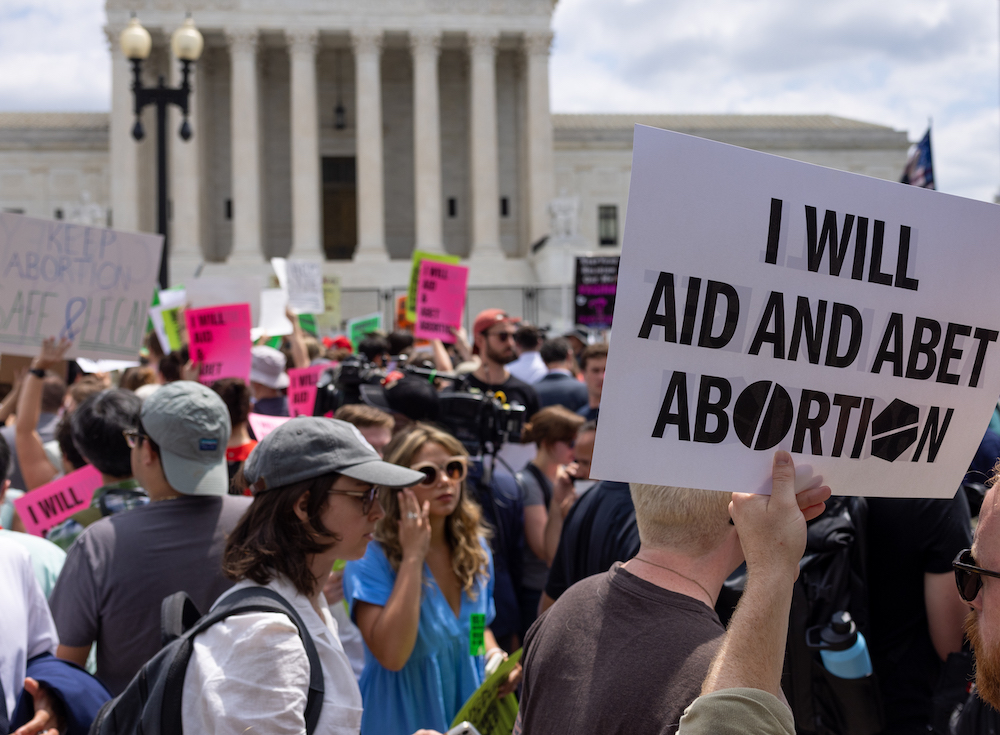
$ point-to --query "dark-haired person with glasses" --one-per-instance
(122, 566)
(423, 593)
(493, 337)
(315, 484)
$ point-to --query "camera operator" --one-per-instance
(493, 333)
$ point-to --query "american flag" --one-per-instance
(919, 169)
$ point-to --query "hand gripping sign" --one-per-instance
(765, 303)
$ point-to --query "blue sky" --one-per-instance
(894, 63)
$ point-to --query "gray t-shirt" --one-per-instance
(119, 570)
(534, 571)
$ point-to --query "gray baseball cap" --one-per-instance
(309, 446)
(190, 423)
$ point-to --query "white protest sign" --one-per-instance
(765, 303)
(302, 280)
(90, 284)
(222, 290)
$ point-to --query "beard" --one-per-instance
(987, 662)
(501, 358)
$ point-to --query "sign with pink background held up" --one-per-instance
(302, 384)
(51, 504)
(440, 300)
(219, 339)
(262, 425)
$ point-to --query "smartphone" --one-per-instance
(463, 728)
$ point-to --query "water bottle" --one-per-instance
(842, 647)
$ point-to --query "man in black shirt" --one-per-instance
(493, 332)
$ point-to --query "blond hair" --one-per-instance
(689, 521)
(463, 529)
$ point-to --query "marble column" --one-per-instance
(371, 191)
(307, 236)
(426, 46)
(245, 127)
(484, 153)
(184, 175)
(124, 150)
(541, 168)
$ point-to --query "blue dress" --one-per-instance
(440, 675)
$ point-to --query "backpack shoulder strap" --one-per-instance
(178, 614)
(250, 599)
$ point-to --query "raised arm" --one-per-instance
(390, 632)
(772, 531)
(300, 353)
(10, 400)
(34, 463)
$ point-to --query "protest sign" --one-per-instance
(302, 280)
(273, 320)
(440, 300)
(51, 504)
(89, 284)
(105, 366)
(411, 294)
(329, 321)
(222, 290)
(358, 328)
(220, 341)
(166, 319)
(302, 389)
(594, 291)
(401, 321)
(769, 304)
(489, 715)
(262, 425)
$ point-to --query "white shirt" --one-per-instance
(26, 626)
(528, 367)
(250, 673)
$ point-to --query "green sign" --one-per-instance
(411, 294)
(487, 713)
(358, 328)
(477, 629)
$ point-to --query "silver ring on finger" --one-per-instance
(412, 516)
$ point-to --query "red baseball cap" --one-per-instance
(489, 317)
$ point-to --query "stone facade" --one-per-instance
(358, 131)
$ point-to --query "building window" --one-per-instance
(229, 209)
(504, 206)
(452, 207)
(13, 210)
(607, 224)
(58, 213)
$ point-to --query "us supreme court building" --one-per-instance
(353, 131)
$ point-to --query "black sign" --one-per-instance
(594, 291)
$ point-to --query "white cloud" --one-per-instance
(894, 63)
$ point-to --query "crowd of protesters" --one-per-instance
(389, 535)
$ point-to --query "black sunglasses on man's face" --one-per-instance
(968, 576)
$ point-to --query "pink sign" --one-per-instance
(302, 389)
(262, 425)
(51, 504)
(219, 340)
(440, 300)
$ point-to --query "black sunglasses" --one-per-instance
(367, 497)
(968, 576)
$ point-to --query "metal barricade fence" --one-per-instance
(542, 305)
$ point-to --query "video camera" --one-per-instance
(341, 385)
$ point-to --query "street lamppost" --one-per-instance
(187, 44)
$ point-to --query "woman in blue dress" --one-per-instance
(421, 591)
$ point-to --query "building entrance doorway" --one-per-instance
(340, 207)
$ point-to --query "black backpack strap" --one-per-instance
(249, 599)
(178, 614)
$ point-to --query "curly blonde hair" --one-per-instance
(463, 528)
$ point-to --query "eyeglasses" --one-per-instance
(133, 437)
(367, 497)
(968, 576)
(503, 336)
(454, 469)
